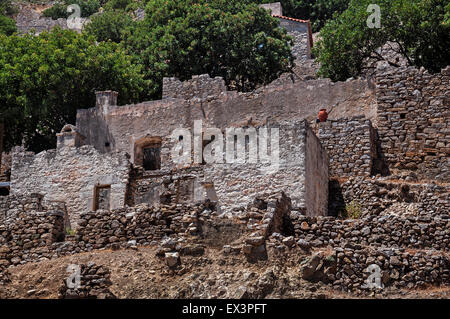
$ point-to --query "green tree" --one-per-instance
(119, 5)
(44, 79)
(418, 27)
(7, 25)
(237, 41)
(109, 25)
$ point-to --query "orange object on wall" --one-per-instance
(323, 115)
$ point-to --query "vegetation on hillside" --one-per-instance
(420, 28)
(7, 25)
(44, 79)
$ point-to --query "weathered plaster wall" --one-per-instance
(316, 180)
(70, 174)
(121, 126)
(414, 121)
(238, 184)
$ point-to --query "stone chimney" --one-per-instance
(274, 7)
(69, 137)
(105, 98)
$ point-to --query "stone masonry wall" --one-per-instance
(414, 121)
(377, 231)
(11, 205)
(70, 175)
(201, 86)
(26, 235)
(411, 251)
(350, 144)
(389, 196)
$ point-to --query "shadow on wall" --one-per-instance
(379, 163)
(336, 200)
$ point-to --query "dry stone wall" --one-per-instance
(350, 144)
(201, 87)
(414, 121)
(27, 235)
(378, 231)
(11, 205)
(388, 196)
(95, 281)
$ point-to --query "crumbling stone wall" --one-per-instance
(413, 121)
(350, 144)
(378, 231)
(24, 236)
(201, 86)
(95, 281)
(29, 19)
(388, 195)
(5, 168)
(70, 175)
(301, 49)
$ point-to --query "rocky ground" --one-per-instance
(140, 273)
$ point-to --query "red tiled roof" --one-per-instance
(301, 21)
(288, 18)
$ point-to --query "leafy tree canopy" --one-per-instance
(109, 25)
(420, 28)
(232, 39)
(7, 25)
(44, 79)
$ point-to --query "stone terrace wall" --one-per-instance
(376, 196)
(25, 236)
(70, 175)
(350, 144)
(399, 268)
(377, 231)
(35, 235)
(414, 121)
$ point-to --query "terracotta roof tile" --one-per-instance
(288, 18)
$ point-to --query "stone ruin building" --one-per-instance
(384, 152)
(121, 155)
